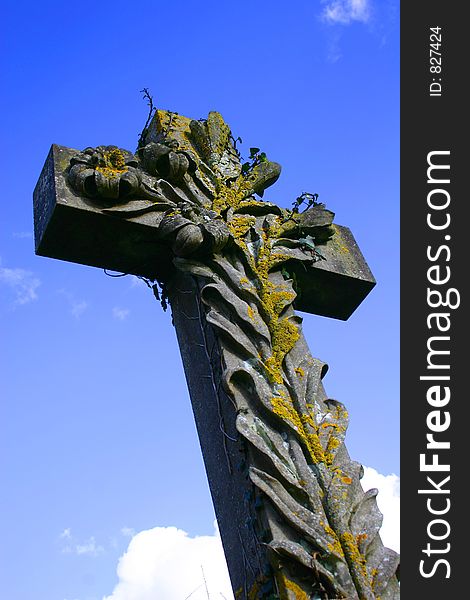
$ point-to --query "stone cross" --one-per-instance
(185, 213)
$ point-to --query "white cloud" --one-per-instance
(71, 546)
(345, 12)
(165, 562)
(77, 307)
(127, 531)
(66, 534)
(388, 501)
(120, 313)
(137, 282)
(22, 283)
(90, 547)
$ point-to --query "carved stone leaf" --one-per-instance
(366, 519)
(171, 224)
(221, 298)
(302, 519)
(236, 278)
(194, 267)
(343, 490)
(270, 443)
(235, 336)
(201, 138)
(333, 427)
(315, 371)
(136, 208)
(322, 520)
(291, 253)
(107, 187)
(217, 234)
(296, 552)
(384, 564)
(245, 382)
(218, 132)
(263, 176)
(171, 193)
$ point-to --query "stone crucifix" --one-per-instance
(182, 211)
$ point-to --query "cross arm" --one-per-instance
(104, 207)
(71, 227)
(337, 284)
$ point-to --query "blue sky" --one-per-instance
(98, 445)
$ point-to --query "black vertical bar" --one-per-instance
(434, 263)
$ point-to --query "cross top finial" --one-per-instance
(193, 174)
(176, 149)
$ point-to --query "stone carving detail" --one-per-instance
(107, 172)
(326, 532)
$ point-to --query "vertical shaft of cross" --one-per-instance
(223, 449)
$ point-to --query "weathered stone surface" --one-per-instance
(71, 227)
(336, 286)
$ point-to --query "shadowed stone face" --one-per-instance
(294, 520)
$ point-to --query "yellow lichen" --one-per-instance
(333, 443)
(335, 546)
(240, 224)
(286, 586)
(230, 196)
(253, 593)
(334, 425)
(284, 408)
(274, 299)
(284, 336)
(114, 163)
(352, 552)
